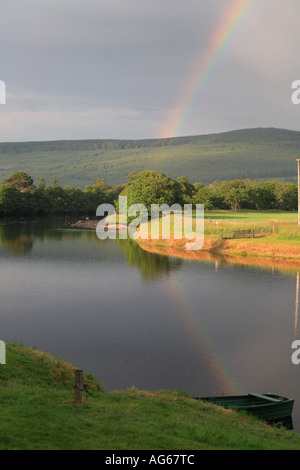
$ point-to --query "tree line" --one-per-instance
(19, 197)
(151, 187)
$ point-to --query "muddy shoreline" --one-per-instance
(92, 225)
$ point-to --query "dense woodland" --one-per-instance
(257, 154)
(19, 197)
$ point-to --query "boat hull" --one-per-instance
(271, 408)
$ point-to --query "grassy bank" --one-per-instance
(276, 241)
(37, 412)
(277, 238)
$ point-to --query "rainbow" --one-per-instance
(207, 66)
(222, 380)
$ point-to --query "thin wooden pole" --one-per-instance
(2, 353)
(78, 388)
(297, 304)
(298, 161)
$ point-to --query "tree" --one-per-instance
(114, 192)
(55, 181)
(10, 200)
(263, 195)
(187, 190)
(42, 184)
(102, 184)
(21, 181)
(94, 196)
(74, 200)
(55, 199)
(151, 187)
(236, 194)
(204, 195)
(286, 195)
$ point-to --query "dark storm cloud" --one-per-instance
(114, 68)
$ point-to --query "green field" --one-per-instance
(284, 224)
(249, 217)
(256, 154)
(37, 413)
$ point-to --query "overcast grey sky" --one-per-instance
(98, 69)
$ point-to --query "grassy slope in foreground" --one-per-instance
(36, 392)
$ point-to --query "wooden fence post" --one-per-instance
(78, 388)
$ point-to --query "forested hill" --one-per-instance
(257, 154)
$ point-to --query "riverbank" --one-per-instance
(258, 238)
(266, 249)
(92, 225)
(265, 252)
(38, 413)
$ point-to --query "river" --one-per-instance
(136, 319)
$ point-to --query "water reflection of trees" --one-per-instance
(19, 238)
(151, 265)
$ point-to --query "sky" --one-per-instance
(141, 69)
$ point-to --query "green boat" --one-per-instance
(271, 408)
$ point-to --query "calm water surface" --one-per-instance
(132, 318)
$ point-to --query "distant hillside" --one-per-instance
(251, 153)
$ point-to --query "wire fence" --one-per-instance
(251, 233)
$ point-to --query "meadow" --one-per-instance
(250, 217)
(284, 224)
